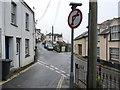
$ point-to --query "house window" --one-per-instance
(114, 54)
(26, 47)
(13, 13)
(115, 33)
(98, 39)
(98, 52)
(27, 22)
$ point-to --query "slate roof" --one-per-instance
(107, 31)
(82, 35)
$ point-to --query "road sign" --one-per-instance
(75, 18)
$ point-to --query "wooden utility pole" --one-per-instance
(92, 45)
(52, 34)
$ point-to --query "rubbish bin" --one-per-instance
(5, 68)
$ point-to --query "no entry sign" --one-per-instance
(75, 18)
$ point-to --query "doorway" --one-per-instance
(7, 49)
(18, 51)
(80, 49)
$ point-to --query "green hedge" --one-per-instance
(56, 48)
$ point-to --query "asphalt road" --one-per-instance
(51, 71)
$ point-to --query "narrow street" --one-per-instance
(51, 71)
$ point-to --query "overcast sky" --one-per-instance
(107, 9)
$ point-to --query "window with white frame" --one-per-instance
(13, 13)
(98, 39)
(98, 51)
(27, 22)
(115, 33)
(114, 54)
(26, 47)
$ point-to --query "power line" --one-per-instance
(45, 10)
(57, 11)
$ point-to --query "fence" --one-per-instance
(104, 79)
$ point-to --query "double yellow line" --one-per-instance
(60, 83)
(1, 83)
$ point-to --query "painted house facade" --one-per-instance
(108, 47)
(0, 28)
(56, 37)
(18, 33)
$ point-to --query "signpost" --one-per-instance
(74, 20)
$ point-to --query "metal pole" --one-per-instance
(92, 48)
(74, 5)
(72, 57)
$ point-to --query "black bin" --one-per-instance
(5, 68)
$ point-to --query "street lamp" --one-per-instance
(74, 5)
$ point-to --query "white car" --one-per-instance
(50, 47)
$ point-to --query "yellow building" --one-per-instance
(108, 47)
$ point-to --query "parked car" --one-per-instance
(50, 46)
(45, 45)
(43, 42)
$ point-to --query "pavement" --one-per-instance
(52, 70)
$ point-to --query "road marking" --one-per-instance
(63, 75)
(60, 82)
(57, 72)
(12, 77)
(40, 63)
(62, 71)
(56, 68)
(53, 68)
(68, 75)
(43, 62)
(47, 66)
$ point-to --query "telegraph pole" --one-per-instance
(52, 34)
(92, 45)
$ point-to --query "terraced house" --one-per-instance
(108, 47)
(17, 32)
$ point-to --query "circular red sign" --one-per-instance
(75, 18)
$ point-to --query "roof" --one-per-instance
(24, 3)
(50, 34)
(82, 35)
(107, 31)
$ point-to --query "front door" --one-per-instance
(80, 49)
(7, 47)
(18, 51)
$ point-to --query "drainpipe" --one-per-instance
(106, 47)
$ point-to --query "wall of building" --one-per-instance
(0, 28)
(19, 32)
(76, 48)
(102, 46)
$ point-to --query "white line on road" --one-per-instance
(63, 75)
(53, 68)
(57, 72)
(62, 71)
(56, 68)
(68, 75)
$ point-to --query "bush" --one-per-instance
(56, 48)
(99, 83)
